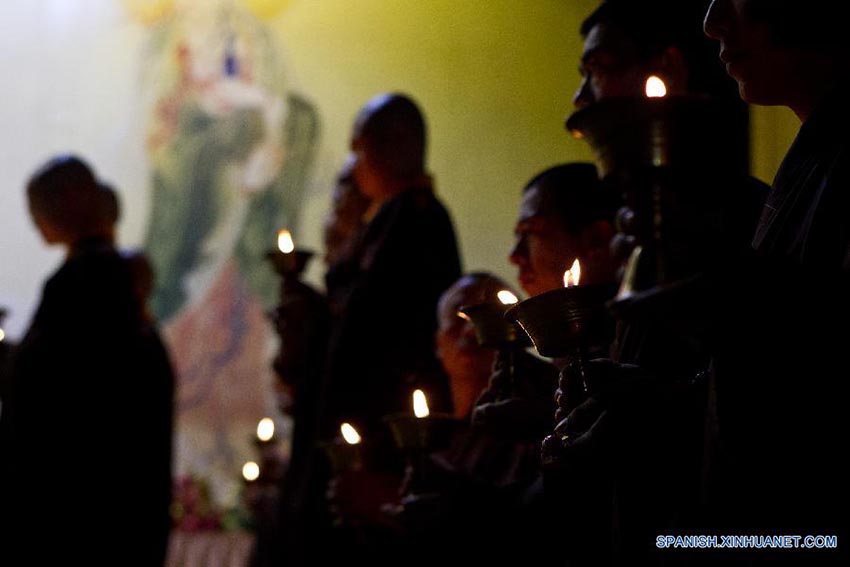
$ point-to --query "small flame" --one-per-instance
(251, 471)
(285, 242)
(573, 275)
(2, 335)
(507, 298)
(655, 87)
(420, 404)
(265, 429)
(463, 316)
(350, 434)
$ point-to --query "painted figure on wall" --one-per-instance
(230, 149)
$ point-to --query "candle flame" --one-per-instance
(420, 404)
(350, 434)
(655, 87)
(573, 275)
(507, 298)
(265, 429)
(251, 471)
(285, 242)
(2, 335)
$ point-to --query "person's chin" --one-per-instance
(529, 284)
(752, 93)
(749, 86)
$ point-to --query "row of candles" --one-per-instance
(266, 434)
(286, 261)
(251, 470)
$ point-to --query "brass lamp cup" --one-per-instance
(674, 160)
(628, 133)
(289, 264)
(343, 456)
(491, 327)
(425, 434)
(560, 321)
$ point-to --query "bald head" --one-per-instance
(389, 140)
(467, 363)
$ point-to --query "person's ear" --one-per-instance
(672, 67)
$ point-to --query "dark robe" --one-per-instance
(86, 470)
(381, 346)
(778, 418)
(383, 302)
(805, 219)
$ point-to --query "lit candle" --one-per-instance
(573, 275)
(265, 430)
(655, 87)
(420, 404)
(251, 471)
(507, 298)
(350, 434)
(288, 261)
(284, 242)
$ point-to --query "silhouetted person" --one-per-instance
(625, 42)
(382, 345)
(345, 219)
(303, 320)
(662, 354)
(87, 473)
(467, 363)
(457, 505)
(565, 215)
(778, 418)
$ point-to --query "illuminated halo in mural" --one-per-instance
(266, 9)
(148, 12)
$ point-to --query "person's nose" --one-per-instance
(716, 22)
(519, 253)
(584, 94)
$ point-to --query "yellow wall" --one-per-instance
(495, 78)
(772, 130)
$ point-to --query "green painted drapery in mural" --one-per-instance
(230, 148)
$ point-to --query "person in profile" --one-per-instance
(658, 366)
(89, 416)
(455, 504)
(784, 356)
(381, 345)
(303, 319)
(565, 215)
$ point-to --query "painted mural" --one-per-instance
(230, 146)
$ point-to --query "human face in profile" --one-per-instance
(364, 172)
(544, 248)
(609, 66)
(767, 73)
(467, 364)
